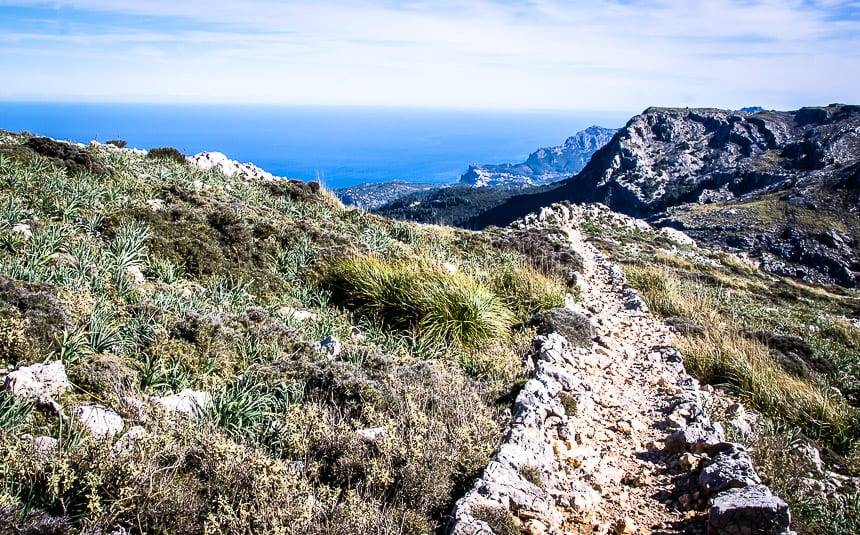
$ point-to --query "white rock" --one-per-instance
(677, 236)
(296, 314)
(207, 160)
(155, 204)
(38, 381)
(45, 445)
(371, 434)
(101, 421)
(24, 230)
(188, 402)
(136, 274)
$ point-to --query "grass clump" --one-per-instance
(447, 308)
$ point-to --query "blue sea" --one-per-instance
(339, 146)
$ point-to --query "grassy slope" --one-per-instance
(717, 302)
(227, 265)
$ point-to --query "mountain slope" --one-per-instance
(543, 166)
(795, 174)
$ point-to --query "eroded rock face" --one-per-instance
(777, 184)
(543, 166)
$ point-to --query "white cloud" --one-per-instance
(540, 54)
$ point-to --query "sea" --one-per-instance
(338, 146)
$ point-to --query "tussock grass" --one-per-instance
(448, 308)
(721, 354)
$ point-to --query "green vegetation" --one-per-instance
(146, 276)
(781, 347)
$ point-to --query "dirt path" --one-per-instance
(618, 445)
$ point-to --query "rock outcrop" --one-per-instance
(782, 186)
(248, 171)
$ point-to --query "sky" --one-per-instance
(479, 54)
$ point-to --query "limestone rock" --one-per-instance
(23, 230)
(694, 437)
(99, 420)
(371, 434)
(247, 171)
(731, 467)
(751, 510)
(45, 445)
(188, 402)
(575, 327)
(38, 381)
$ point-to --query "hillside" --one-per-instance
(189, 351)
(544, 166)
(375, 194)
(782, 187)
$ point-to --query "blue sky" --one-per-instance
(540, 54)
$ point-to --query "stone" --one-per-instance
(534, 527)
(45, 445)
(246, 171)
(576, 328)
(751, 510)
(677, 236)
(372, 434)
(731, 467)
(330, 345)
(624, 526)
(136, 275)
(23, 230)
(188, 402)
(38, 381)
(296, 314)
(101, 421)
(694, 437)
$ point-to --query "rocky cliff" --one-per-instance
(543, 166)
(782, 186)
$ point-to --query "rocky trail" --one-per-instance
(609, 436)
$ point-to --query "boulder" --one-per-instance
(188, 402)
(751, 510)
(694, 437)
(730, 468)
(575, 327)
(39, 381)
(101, 421)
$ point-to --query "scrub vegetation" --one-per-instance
(146, 276)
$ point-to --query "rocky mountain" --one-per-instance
(781, 186)
(375, 194)
(543, 166)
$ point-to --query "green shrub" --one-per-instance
(167, 153)
(120, 143)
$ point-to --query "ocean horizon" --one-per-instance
(338, 146)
